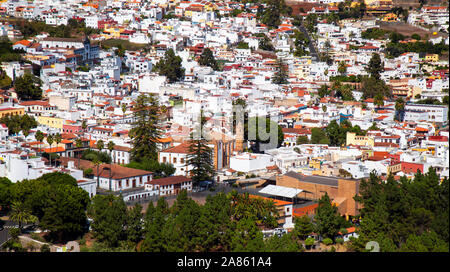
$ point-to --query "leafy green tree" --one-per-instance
(335, 134)
(155, 218)
(379, 100)
(242, 45)
(281, 74)
(170, 66)
(65, 211)
(5, 80)
(371, 87)
(5, 192)
(247, 237)
(285, 243)
(302, 140)
(416, 36)
(405, 215)
(217, 214)
(375, 66)
(207, 59)
(323, 91)
(327, 219)
(146, 129)
(109, 214)
(17, 123)
(28, 87)
(303, 227)
(309, 242)
(59, 178)
(265, 44)
(185, 231)
(134, 230)
(342, 68)
(319, 136)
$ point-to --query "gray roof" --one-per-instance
(329, 181)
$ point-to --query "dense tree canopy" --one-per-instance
(28, 87)
(404, 215)
(170, 66)
(57, 202)
(207, 59)
(18, 123)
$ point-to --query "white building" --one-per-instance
(248, 162)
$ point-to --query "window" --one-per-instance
(174, 160)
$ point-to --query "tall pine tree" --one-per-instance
(200, 156)
(146, 128)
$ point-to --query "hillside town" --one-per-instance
(303, 106)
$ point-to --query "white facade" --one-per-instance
(248, 162)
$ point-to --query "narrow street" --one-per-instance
(312, 48)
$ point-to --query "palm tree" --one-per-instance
(124, 109)
(100, 145)
(79, 144)
(110, 148)
(21, 214)
(40, 137)
(97, 163)
(399, 108)
(50, 142)
(84, 126)
(342, 68)
(58, 139)
(379, 100)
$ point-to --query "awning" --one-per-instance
(280, 191)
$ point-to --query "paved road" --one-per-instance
(312, 47)
(5, 226)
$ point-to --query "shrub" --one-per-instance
(82, 241)
(45, 248)
(35, 236)
(14, 232)
(327, 241)
(309, 241)
(340, 241)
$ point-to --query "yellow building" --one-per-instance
(315, 162)
(53, 122)
(390, 17)
(432, 57)
(352, 139)
(395, 168)
(111, 32)
(9, 111)
(167, 27)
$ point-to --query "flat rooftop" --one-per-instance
(329, 181)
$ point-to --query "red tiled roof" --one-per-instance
(169, 180)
